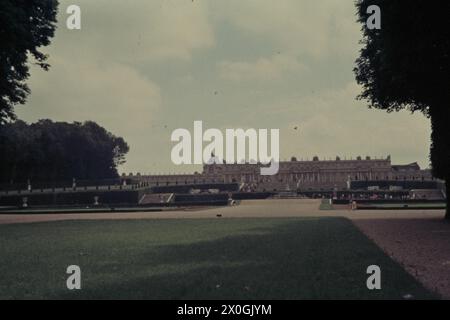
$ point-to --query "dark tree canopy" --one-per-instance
(406, 65)
(48, 151)
(25, 26)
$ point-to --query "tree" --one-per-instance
(25, 26)
(50, 152)
(406, 65)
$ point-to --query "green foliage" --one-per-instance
(406, 64)
(25, 26)
(56, 151)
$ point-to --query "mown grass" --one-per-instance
(326, 205)
(308, 258)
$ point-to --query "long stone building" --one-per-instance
(314, 174)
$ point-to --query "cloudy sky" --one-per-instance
(143, 68)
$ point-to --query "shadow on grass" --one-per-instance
(323, 258)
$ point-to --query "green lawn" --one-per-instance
(307, 258)
(326, 205)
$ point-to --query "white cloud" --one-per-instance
(261, 70)
(139, 31)
(82, 89)
(334, 123)
(96, 72)
(115, 96)
(315, 28)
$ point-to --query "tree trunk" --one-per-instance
(447, 192)
(440, 147)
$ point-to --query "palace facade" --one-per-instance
(312, 174)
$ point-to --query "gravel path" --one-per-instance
(420, 245)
